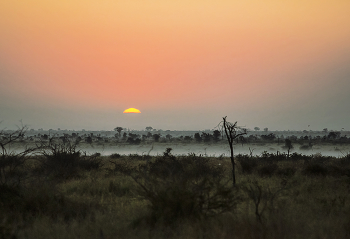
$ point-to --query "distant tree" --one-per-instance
(133, 136)
(89, 140)
(242, 140)
(288, 145)
(256, 128)
(325, 130)
(118, 129)
(269, 137)
(156, 137)
(333, 135)
(216, 135)
(149, 128)
(188, 138)
(206, 137)
(266, 129)
(198, 137)
(132, 140)
(124, 136)
(168, 137)
(45, 137)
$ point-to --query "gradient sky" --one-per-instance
(75, 64)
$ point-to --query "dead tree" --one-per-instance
(232, 132)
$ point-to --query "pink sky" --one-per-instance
(185, 64)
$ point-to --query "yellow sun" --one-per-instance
(132, 110)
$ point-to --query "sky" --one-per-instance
(78, 64)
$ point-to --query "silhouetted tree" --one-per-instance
(232, 131)
(168, 137)
(132, 140)
(133, 136)
(45, 137)
(188, 138)
(268, 137)
(89, 140)
(148, 128)
(266, 129)
(216, 135)
(288, 145)
(206, 137)
(333, 135)
(198, 137)
(118, 129)
(156, 137)
(256, 128)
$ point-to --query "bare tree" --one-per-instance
(10, 160)
(232, 132)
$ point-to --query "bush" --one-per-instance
(117, 189)
(268, 169)
(248, 164)
(13, 170)
(115, 156)
(286, 172)
(315, 169)
(181, 188)
(63, 160)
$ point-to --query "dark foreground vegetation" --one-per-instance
(57, 191)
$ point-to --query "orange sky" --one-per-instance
(184, 64)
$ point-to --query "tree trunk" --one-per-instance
(230, 141)
(233, 166)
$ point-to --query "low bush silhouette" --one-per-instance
(267, 169)
(43, 198)
(315, 169)
(286, 171)
(115, 156)
(13, 169)
(248, 164)
(181, 187)
(63, 161)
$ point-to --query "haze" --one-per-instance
(79, 64)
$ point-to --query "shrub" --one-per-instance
(286, 172)
(12, 169)
(117, 189)
(63, 160)
(315, 169)
(115, 156)
(12, 164)
(45, 199)
(248, 164)
(267, 169)
(273, 157)
(181, 188)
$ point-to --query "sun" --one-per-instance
(132, 110)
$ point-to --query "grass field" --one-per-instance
(65, 194)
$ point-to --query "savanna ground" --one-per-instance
(59, 192)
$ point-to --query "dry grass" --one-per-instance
(104, 203)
